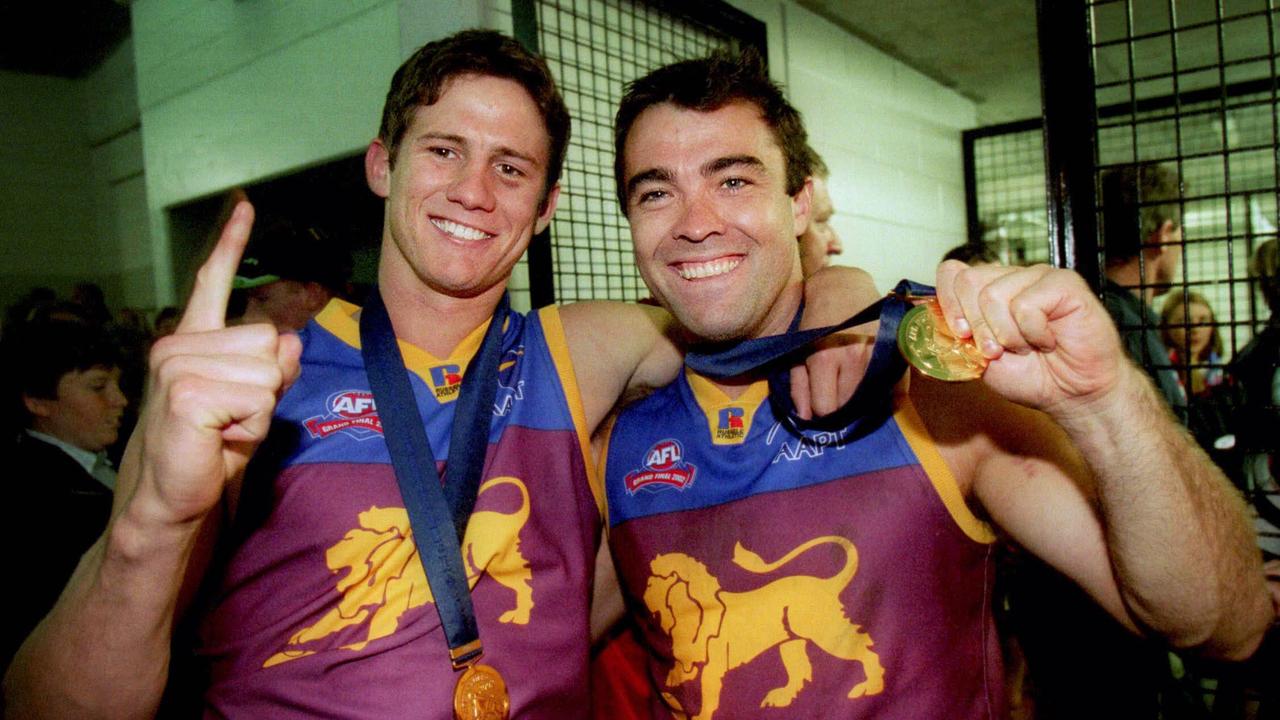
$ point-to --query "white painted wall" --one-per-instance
(890, 135)
(234, 92)
(228, 93)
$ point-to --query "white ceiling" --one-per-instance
(985, 50)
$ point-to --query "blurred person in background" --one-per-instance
(819, 242)
(289, 274)
(1190, 332)
(62, 390)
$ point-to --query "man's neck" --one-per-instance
(431, 320)
(1130, 276)
(776, 322)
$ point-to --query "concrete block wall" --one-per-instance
(892, 139)
(228, 93)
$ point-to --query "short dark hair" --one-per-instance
(708, 84)
(971, 253)
(817, 166)
(34, 356)
(1264, 266)
(1136, 201)
(421, 80)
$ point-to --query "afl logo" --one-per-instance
(664, 467)
(349, 411)
(352, 403)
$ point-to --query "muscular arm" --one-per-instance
(1177, 532)
(1130, 494)
(103, 650)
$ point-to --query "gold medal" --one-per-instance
(480, 695)
(927, 343)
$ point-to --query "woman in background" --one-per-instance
(1191, 335)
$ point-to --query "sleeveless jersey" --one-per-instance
(775, 573)
(323, 608)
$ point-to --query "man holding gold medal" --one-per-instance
(781, 567)
(341, 576)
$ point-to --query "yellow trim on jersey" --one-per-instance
(711, 399)
(944, 482)
(605, 432)
(339, 318)
(553, 330)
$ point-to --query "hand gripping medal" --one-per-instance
(927, 343)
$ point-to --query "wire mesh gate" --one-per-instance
(593, 48)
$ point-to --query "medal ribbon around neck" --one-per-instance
(438, 515)
(871, 402)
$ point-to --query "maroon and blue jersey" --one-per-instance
(777, 573)
(323, 608)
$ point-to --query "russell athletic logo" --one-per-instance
(664, 467)
(349, 411)
(445, 380)
(730, 425)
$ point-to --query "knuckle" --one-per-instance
(184, 393)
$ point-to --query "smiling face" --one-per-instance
(714, 229)
(465, 193)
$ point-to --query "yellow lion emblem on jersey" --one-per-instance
(384, 576)
(714, 631)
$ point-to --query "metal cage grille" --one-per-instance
(1191, 85)
(1007, 195)
(594, 47)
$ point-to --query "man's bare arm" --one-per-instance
(103, 650)
(1139, 500)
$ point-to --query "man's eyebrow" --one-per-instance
(505, 151)
(447, 137)
(650, 175)
(724, 163)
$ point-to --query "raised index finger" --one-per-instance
(207, 308)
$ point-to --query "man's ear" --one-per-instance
(377, 168)
(547, 210)
(1166, 234)
(801, 204)
(317, 296)
(39, 407)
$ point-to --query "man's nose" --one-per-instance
(473, 188)
(699, 221)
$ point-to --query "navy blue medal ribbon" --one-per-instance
(870, 403)
(438, 513)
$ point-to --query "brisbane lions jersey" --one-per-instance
(323, 609)
(784, 574)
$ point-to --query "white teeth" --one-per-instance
(696, 271)
(460, 231)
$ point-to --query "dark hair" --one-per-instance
(708, 84)
(1264, 266)
(972, 253)
(817, 166)
(34, 356)
(1136, 201)
(421, 80)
